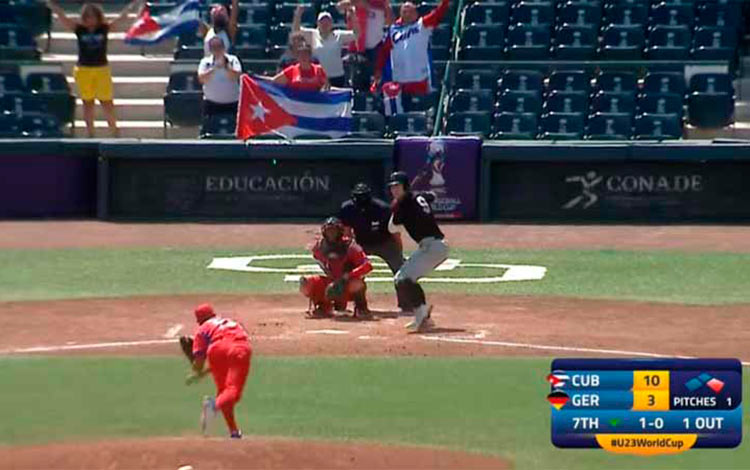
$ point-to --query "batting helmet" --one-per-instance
(203, 312)
(399, 177)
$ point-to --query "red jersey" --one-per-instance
(336, 263)
(214, 330)
(312, 79)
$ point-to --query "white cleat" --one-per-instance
(208, 414)
(422, 320)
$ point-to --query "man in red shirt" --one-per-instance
(226, 345)
(344, 265)
(304, 75)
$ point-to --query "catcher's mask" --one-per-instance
(204, 312)
(332, 230)
(361, 194)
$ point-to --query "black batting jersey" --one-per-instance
(369, 222)
(415, 214)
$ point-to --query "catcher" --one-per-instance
(344, 265)
(226, 345)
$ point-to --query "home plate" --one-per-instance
(327, 332)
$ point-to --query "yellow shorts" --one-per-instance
(94, 82)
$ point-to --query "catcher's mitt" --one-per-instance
(335, 290)
(186, 343)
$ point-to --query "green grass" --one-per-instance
(494, 406)
(693, 278)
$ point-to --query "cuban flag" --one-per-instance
(148, 30)
(268, 108)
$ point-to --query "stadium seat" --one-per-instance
(17, 43)
(53, 89)
(279, 35)
(626, 15)
(284, 13)
(483, 35)
(533, 14)
(251, 36)
(440, 53)
(11, 83)
(714, 43)
(721, 15)
(471, 100)
(469, 123)
(407, 124)
(182, 101)
(367, 124)
(421, 103)
(711, 100)
(441, 36)
(367, 102)
(672, 14)
(622, 43)
(668, 43)
(664, 82)
(615, 81)
(661, 104)
(528, 42)
(562, 126)
(489, 53)
(259, 14)
(575, 43)
(472, 79)
(10, 126)
(657, 127)
(580, 14)
(613, 102)
(516, 126)
(521, 80)
(610, 126)
(711, 83)
(566, 102)
(573, 81)
(520, 102)
(18, 104)
(220, 126)
(486, 13)
(39, 125)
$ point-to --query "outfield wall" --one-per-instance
(271, 180)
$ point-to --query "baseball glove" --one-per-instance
(335, 290)
(186, 344)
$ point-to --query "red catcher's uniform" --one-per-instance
(227, 346)
(354, 262)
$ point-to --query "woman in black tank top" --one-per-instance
(92, 72)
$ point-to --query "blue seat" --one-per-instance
(182, 101)
(483, 35)
(441, 36)
(486, 13)
(658, 127)
(471, 100)
(711, 100)
(616, 81)
(279, 35)
(575, 43)
(610, 126)
(367, 102)
(17, 43)
(626, 15)
(664, 82)
(714, 43)
(54, 90)
(711, 83)
(613, 102)
(254, 14)
(721, 15)
(10, 126)
(40, 125)
(407, 124)
(284, 13)
(251, 36)
(368, 124)
(533, 14)
(488, 53)
(622, 43)
(11, 83)
(579, 14)
(219, 126)
(668, 43)
(528, 42)
(661, 104)
(672, 14)
(516, 126)
(18, 104)
(521, 80)
(469, 123)
(577, 81)
(562, 126)
(472, 79)
(421, 103)
(566, 102)
(520, 102)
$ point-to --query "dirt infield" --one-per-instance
(249, 453)
(89, 234)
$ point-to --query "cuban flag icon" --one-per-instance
(148, 29)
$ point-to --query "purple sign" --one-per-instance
(446, 166)
(47, 186)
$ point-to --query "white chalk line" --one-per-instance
(78, 347)
(544, 347)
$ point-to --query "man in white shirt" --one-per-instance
(327, 43)
(219, 73)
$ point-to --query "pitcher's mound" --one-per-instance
(249, 453)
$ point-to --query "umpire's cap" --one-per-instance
(399, 177)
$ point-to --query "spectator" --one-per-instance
(296, 39)
(327, 43)
(404, 56)
(223, 25)
(303, 76)
(219, 73)
(92, 72)
(371, 16)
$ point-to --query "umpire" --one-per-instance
(368, 217)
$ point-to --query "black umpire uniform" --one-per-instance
(368, 217)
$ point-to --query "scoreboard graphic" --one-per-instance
(646, 406)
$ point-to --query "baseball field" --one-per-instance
(92, 377)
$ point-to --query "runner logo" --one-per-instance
(587, 198)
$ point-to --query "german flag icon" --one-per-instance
(558, 399)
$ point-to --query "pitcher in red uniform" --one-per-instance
(344, 265)
(226, 345)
